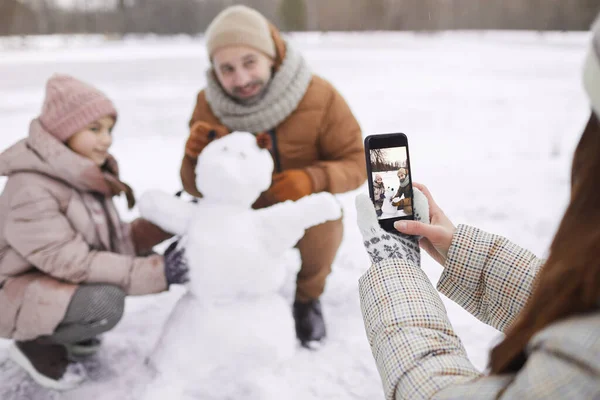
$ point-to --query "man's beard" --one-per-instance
(237, 90)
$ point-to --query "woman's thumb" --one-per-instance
(415, 228)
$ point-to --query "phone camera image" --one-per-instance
(391, 182)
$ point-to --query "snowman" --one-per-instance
(230, 334)
(387, 209)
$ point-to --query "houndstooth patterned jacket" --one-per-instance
(419, 356)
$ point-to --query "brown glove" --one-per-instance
(291, 185)
(202, 133)
(405, 202)
(145, 235)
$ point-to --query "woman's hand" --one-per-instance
(382, 245)
(437, 236)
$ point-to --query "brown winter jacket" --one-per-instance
(404, 191)
(59, 228)
(321, 136)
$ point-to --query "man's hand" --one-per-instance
(405, 202)
(291, 185)
(202, 133)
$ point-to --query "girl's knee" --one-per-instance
(101, 303)
(94, 309)
(114, 302)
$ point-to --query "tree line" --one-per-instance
(380, 163)
(166, 17)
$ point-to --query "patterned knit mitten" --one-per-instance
(382, 245)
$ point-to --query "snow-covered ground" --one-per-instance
(492, 120)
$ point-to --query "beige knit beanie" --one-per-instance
(240, 25)
(70, 105)
(591, 73)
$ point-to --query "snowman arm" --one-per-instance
(282, 225)
(168, 212)
(287, 222)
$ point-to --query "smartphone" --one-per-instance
(390, 179)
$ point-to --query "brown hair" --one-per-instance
(569, 283)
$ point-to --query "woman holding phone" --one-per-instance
(549, 310)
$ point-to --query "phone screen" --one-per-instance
(390, 177)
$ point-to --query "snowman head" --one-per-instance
(390, 192)
(234, 170)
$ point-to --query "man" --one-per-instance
(259, 83)
(403, 190)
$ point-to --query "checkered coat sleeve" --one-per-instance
(419, 356)
(488, 276)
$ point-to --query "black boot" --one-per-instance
(310, 326)
(48, 364)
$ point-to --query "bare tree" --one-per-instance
(293, 15)
(8, 14)
(193, 16)
(312, 15)
(378, 160)
(123, 16)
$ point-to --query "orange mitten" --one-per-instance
(291, 185)
(201, 133)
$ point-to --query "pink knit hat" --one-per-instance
(70, 105)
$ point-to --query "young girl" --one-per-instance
(66, 259)
(379, 193)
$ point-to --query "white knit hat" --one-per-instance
(591, 71)
(240, 25)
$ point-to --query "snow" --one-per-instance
(222, 165)
(492, 120)
(87, 4)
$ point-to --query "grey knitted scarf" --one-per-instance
(286, 89)
(404, 183)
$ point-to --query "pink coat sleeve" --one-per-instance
(38, 230)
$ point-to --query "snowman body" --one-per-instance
(387, 209)
(231, 334)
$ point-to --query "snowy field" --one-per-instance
(492, 120)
